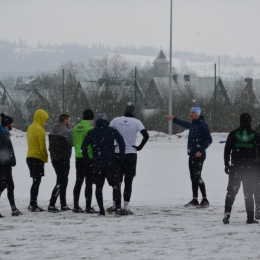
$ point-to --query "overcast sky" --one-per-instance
(214, 27)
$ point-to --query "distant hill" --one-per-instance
(19, 57)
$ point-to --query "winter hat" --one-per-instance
(101, 115)
(245, 119)
(88, 114)
(6, 120)
(196, 109)
(130, 108)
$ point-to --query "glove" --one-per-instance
(137, 148)
(227, 169)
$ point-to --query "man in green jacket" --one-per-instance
(83, 171)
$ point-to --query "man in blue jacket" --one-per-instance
(102, 138)
(7, 161)
(199, 140)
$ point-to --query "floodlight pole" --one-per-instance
(170, 74)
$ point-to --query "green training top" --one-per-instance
(79, 132)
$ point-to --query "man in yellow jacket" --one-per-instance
(36, 155)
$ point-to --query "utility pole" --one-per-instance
(63, 93)
(170, 73)
(136, 92)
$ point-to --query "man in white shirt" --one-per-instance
(128, 127)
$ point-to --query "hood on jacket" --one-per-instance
(3, 129)
(102, 123)
(40, 117)
(57, 127)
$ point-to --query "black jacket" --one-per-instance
(6, 148)
(102, 138)
(241, 145)
(60, 142)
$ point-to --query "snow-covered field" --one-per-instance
(161, 227)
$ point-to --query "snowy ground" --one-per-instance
(161, 227)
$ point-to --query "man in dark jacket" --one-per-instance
(7, 161)
(102, 139)
(199, 140)
(241, 146)
(60, 145)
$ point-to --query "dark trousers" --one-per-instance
(126, 172)
(245, 174)
(83, 172)
(195, 166)
(36, 167)
(113, 180)
(6, 182)
(257, 185)
(62, 168)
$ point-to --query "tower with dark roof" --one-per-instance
(161, 62)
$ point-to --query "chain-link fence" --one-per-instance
(223, 93)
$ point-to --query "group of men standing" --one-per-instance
(106, 151)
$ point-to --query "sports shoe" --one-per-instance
(121, 212)
(53, 209)
(102, 214)
(1, 216)
(35, 209)
(192, 203)
(130, 212)
(78, 210)
(64, 208)
(91, 211)
(226, 218)
(257, 212)
(252, 221)
(110, 210)
(16, 212)
(204, 204)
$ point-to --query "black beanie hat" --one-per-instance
(88, 114)
(130, 108)
(6, 120)
(245, 119)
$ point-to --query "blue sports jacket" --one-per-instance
(199, 138)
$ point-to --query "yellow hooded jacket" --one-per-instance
(36, 136)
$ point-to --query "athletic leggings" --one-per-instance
(35, 190)
(112, 179)
(62, 167)
(83, 172)
(6, 182)
(195, 166)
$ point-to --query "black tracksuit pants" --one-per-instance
(62, 168)
(245, 174)
(6, 182)
(257, 185)
(126, 171)
(195, 166)
(113, 180)
(83, 172)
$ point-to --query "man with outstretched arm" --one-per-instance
(199, 140)
(128, 126)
